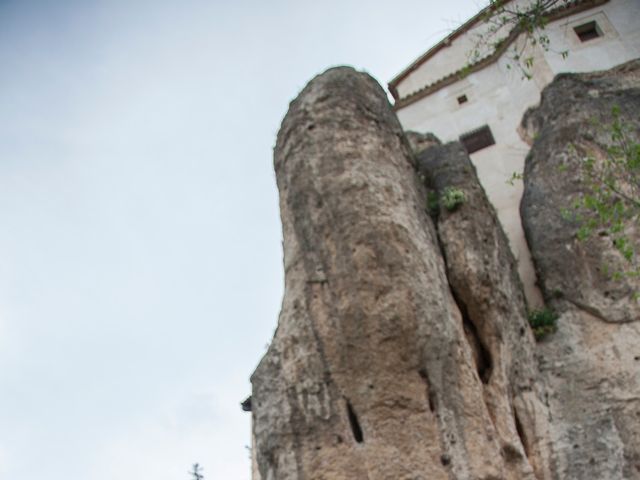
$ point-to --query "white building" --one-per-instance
(481, 101)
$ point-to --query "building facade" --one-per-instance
(465, 88)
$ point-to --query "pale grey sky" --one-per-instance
(140, 256)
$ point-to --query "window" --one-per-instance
(477, 139)
(462, 99)
(588, 31)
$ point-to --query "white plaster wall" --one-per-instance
(620, 24)
(498, 96)
(453, 57)
(497, 91)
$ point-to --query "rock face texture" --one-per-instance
(483, 276)
(591, 366)
(379, 368)
(403, 349)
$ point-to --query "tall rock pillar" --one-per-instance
(370, 374)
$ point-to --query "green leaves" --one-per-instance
(542, 322)
(452, 198)
(526, 24)
(433, 203)
(515, 176)
(610, 202)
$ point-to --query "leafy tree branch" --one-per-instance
(507, 21)
(610, 202)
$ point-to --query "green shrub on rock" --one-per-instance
(543, 322)
(452, 198)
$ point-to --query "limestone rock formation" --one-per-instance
(403, 349)
(375, 370)
(591, 366)
(421, 141)
(483, 276)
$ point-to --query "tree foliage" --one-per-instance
(610, 202)
(543, 322)
(196, 473)
(452, 198)
(506, 21)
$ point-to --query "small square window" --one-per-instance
(462, 99)
(477, 139)
(588, 31)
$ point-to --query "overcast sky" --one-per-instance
(140, 243)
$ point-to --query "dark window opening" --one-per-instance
(462, 99)
(588, 31)
(477, 139)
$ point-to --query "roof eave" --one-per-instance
(445, 42)
(577, 7)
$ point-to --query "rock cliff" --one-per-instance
(591, 366)
(403, 349)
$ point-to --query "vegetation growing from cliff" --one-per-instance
(610, 203)
(542, 322)
(452, 198)
(433, 204)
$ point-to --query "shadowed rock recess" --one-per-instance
(393, 358)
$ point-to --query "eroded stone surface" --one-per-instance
(574, 121)
(390, 362)
(484, 278)
(370, 374)
(421, 141)
(591, 366)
